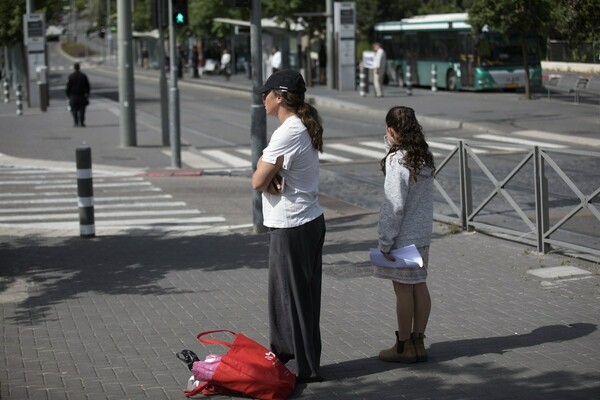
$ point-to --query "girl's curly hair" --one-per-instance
(409, 139)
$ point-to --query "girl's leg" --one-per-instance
(422, 307)
(403, 350)
(422, 310)
(405, 306)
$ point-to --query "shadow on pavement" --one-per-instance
(61, 269)
(486, 378)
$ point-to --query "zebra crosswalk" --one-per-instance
(360, 151)
(44, 199)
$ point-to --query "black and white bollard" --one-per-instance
(19, 102)
(42, 73)
(363, 77)
(6, 90)
(433, 78)
(85, 192)
(408, 81)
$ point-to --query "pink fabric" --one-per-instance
(204, 370)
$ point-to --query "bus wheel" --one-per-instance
(400, 76)
(451, 80)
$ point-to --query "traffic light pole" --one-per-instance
(174, 96)
(164, 94)
(126, 88)
(259, 117)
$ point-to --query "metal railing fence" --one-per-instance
(540, 230)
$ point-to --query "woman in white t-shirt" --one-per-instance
(288, 176)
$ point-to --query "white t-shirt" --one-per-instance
(298, 204)
(225, 59)
(276, 60)
(379, 61)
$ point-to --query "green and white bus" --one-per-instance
(463, 60)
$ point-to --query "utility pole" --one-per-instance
(164, 94)
(174, 95)
(329, 38)
(108, 31)
(126, 88)
(259, 117)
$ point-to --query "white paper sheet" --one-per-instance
(407, 256)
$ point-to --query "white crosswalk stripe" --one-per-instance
(358, 150)
(46, 200)
(582, 141)
(513, 140)
(347, 152)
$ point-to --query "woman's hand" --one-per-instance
(388, 256)
(276, 185)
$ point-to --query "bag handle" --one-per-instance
(214, 341)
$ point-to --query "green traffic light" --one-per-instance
(179, 18)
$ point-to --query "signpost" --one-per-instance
(35, 42)
(345, 40)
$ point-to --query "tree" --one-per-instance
(576, 20)
(523, 17)
(444, 6)
(11, 17)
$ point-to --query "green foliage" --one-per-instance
(576, 20)
(511, 15)
(202, 13)
(369, 12)
(142, 16)
(443, 6)
(11, 21)
(11, 17)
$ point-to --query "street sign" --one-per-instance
(345, 30)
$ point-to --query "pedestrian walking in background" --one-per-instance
(378, 69)
(195, 73)
(180, 60)
(288, 176)
(406, 217)
(275, 59)
(145, 58)
(226, 64)
(78, 93)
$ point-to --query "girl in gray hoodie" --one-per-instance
(406, 218)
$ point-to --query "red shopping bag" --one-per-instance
(250, 368)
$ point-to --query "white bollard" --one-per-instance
(19, 95)
(6, 90)
(408, 81)
(433, 78)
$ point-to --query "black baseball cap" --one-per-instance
(286, 80)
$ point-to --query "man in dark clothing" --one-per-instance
(78, 91)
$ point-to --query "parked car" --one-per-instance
(53, 32)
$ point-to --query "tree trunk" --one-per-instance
(526, 65)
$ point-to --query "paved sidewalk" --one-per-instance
(102, 318)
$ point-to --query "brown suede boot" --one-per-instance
(401, 352)
(417, 339)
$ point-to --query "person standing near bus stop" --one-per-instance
(378, 69)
